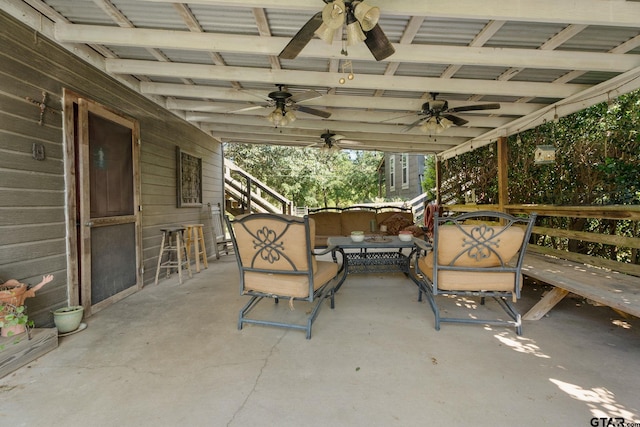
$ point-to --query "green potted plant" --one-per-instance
(13, 316)
(13, 320)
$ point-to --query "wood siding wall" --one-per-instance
(33, 238)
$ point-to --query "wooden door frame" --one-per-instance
(71, 135)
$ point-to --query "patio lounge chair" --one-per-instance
(276, 260)
(476, 254)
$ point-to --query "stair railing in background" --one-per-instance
(250, 194)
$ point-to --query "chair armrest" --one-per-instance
(326, 250)
(423, 245)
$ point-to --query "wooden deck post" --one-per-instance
(438, 180)
(503, 174)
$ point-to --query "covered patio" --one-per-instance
(187, 77)
(171, 355)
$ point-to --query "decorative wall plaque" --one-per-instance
(189, 174)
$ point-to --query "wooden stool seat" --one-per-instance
(195, 237)
(173, 245)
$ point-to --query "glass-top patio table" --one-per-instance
(376, 254)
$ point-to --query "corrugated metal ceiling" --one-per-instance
(473, 53)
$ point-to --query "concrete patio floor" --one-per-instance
(172, 355)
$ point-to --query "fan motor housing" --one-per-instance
(438, 105)
(279, 95)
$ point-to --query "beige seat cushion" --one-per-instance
(468, 280)
(356, 221)
(504, 246)
(280, 247)
(322, 241)
(327, 223)
(288, 285)
(450, 244)
(293, 243)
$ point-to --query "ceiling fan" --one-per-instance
(361, 25)
(332, 142)
(285, 103)
(436, 115)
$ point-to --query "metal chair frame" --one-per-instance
(270, 244)
(480, 241)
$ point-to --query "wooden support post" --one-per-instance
(547, 302)
(438, 180)
(503, 173)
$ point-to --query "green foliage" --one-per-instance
(13, 316)
(475, 170)
(597, 161)
(309, 176)
(428, 183)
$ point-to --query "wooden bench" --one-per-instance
(619, 291)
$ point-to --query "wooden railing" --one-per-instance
(252, 194)
(570, 241)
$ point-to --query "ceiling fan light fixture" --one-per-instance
(445, 123)
(355, 34)
(290, 116)
(333, 14)
(276, 117)
(430, 125)
(325, 33)
(329, 148)
(366, 15)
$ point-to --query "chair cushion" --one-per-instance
(468, 280)
(321, 241)
(451, 241)
(356, 221)
(289, 250)
(451, 251)
(327, 223)
(289, 285)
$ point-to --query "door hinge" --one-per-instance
(139, 141)
(140, 208)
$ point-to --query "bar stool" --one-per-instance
(195, 237)
(173, 245)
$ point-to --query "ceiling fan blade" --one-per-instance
(302, 38)
(253, 107)
(416, 123)
(349, 142)
(399, 117)
(256, 95)
(474, 108)
(378, 43)
(313, 111)
(458, 121)
(305, 96)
